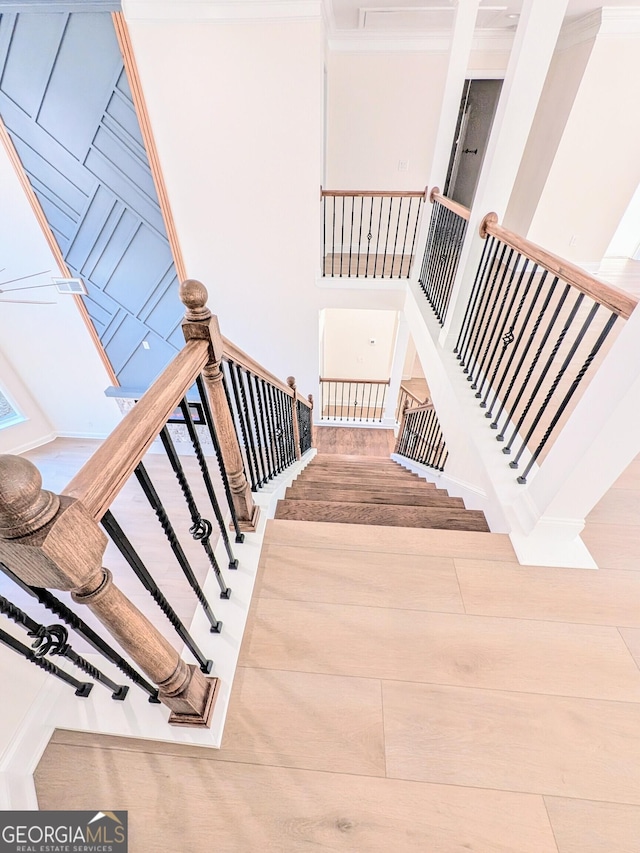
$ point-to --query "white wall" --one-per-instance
(48, 362)
(596, 168)
(348, 351)
(236, 111)
(560, 89)
(383, 107)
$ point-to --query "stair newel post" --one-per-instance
(405, 407)
(291, 382)
(52, 541)
(310, 399)
(199, 323)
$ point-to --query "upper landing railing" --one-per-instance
(58, 542)
(535, 328)
(369, 234)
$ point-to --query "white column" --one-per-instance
(397, 366)
(599, 440)
(459, 52)
(533, 47)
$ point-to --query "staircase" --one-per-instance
(373, 490)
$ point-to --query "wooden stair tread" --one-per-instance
(387, 515)
(406, 497)
(369, 485)
(390, 540)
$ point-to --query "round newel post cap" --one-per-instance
(193, 295)
(24, 505)
(310, 399)
(291, 382)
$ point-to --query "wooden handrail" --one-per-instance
(101, 478)
(459, 209)
(375, 193)
(302, 399)
(618, 301)
(359, 381)
(409, 393)
(235, 354)
(422, 408)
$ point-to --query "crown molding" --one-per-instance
(609, 21)
(623, 21)
(222, 10)
(353, 41)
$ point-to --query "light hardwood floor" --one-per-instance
(404, 690)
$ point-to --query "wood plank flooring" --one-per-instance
(403, 690)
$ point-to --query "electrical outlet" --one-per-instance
(146, 345)
(573, 240)
(403, 165)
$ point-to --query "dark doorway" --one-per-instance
(475, 118)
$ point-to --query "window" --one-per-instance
(8, 414)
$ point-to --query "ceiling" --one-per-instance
(423, 16)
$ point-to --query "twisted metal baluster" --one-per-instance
(82, 688)
(127, 550)
(53, 639)
(156, 504)
(204, 468)
(71, 618)
(201, 528)
(208, 415)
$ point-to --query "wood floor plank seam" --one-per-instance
(553, 833)
(376, 607)
(455, 686)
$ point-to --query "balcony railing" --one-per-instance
(369, 234)
(535, 329)
(420, 437)
(353, 400)
(447, 229)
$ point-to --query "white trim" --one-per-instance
(359, 41)
(30, 445)
(222, 10)
(333, 422)
(581, 30)
(624, 21)
(329, 282)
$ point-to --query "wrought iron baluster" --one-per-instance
(516, 347)
(240, 413)
(369, 237)
(201, 528)
(120, 540)
(353, 202)
(539, 350)
(567, 397)
(487, 304)
(563, 367)
(53, 640)
(206, 477)
(208, 414)
(82, 688)
(488, 328)
(375, 263)
(360, 234)
(265, 436)
(253, 431)
(386, 239)
(490, 247)
(156, 504)
(71, 618)
(333, 239)
(342, 237)
(395, 241)
(406, 232)
(505, 335)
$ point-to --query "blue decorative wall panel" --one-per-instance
(66, 102)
